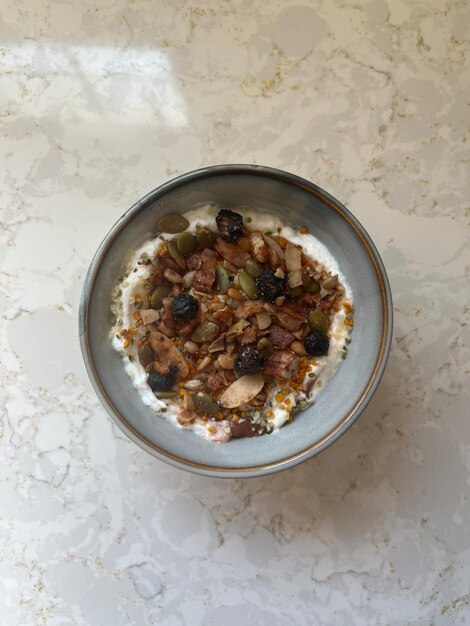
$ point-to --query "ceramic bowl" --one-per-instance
(346, 394)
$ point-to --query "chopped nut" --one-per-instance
(259, 247)
(294, 265)
(330, 282)
(191, 347)
(167, 354)
(276, 253)
(226, 361)
(204, 363)
(263, 320)
(149, 316)
(232, 252)
(298, 348)
(235, 294)
(218, 345)
(172, 276)
(237, 329)
(188, 279)
(193, 384)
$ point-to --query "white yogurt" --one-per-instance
(324, 367)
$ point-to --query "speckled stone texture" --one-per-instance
(99, 103)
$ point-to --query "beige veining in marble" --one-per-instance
(101, 102)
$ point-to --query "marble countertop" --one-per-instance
(101, 102)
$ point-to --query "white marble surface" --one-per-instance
(99, 103)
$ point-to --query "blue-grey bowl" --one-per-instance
(344, 397)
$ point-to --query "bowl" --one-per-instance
(346, 394)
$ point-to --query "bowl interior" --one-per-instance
(336, 406)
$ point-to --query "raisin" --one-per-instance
(230, 225)
(269, 286)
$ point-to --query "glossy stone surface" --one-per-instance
(101, 102)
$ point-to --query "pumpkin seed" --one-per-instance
(248, 285)
(160, 292)
(145, 355)
(317, 320)
(205, 332)
(295, 292)
(172, 223)
(253, 268)
(265, 347)
(205, 238)
(309, 285)
(205, 403)
(186, 244)
(176, 254)
(222, 278)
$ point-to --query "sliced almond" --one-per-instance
(242, 391)
(294, 265)
(263, 320)
(167, 354)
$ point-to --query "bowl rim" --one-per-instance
(363, 398)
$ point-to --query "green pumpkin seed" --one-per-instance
(176, 254)
(205, 403)
(160, 292)
(205, 332)
(265, 347)
(253, 268)
(309, 285)
(317, 320)
(172, 223)
(165, 394)
(205, 238)
(248, 285)
(222, 278)
(295, 292)
(186, 243)
(145, 355)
